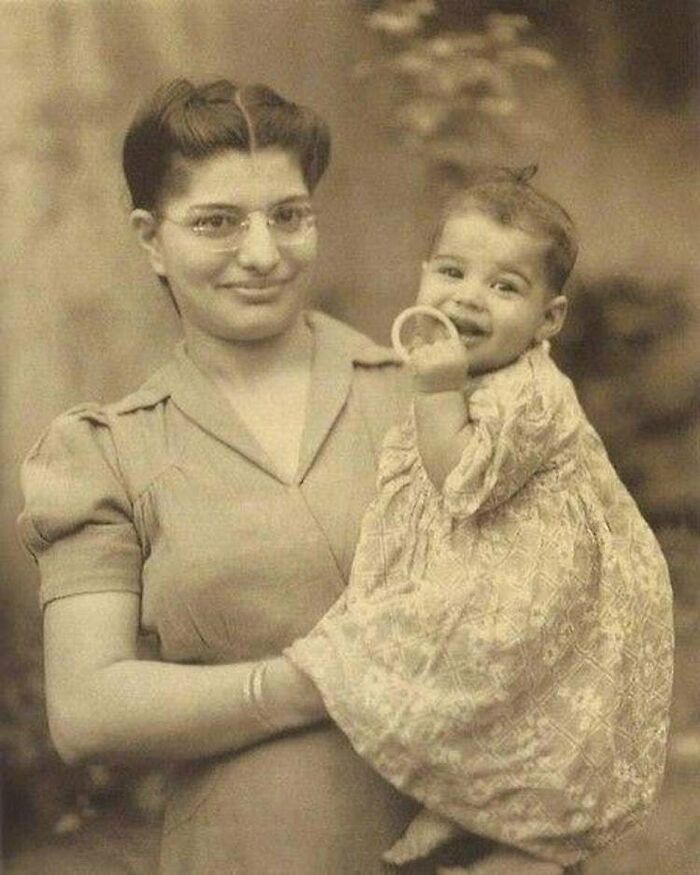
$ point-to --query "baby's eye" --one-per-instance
(450, 270)
(505, 286)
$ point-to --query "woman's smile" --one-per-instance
(258, 289)
(257, 292)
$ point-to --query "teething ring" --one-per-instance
(418, 310)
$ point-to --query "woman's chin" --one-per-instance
(262, 321)
(240, 320)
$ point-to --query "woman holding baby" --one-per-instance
(219, 507)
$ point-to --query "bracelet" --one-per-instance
(418, 310)
(255, 697)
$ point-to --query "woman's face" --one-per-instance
(255, 290)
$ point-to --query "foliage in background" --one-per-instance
(455, 97)
(631, 349)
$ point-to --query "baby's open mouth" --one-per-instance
(467, 328)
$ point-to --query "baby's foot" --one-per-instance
(426, 832)
(506, 862)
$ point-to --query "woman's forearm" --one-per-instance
(135, 709)
(105, 703)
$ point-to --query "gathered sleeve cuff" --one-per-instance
(517, 421)
(77, 520)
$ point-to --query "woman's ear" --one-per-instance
(146, 228)
(554, 316)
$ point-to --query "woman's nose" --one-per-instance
(258, 250)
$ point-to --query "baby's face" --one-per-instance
(491, 281)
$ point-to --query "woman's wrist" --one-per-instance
(286, 697)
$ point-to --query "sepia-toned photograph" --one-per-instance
(350, 445)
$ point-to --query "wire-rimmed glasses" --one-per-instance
(223, 228)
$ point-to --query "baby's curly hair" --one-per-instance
(506, 196)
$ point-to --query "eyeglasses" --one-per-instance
(224, 229)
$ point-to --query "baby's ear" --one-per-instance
(554, 317)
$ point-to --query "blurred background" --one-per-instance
(601, 94)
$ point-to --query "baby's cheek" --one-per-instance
(428, 293)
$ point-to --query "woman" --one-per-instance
(218, 507)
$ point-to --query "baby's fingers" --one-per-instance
(429, 329)
(414, 343)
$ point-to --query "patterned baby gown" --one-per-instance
(503, 651)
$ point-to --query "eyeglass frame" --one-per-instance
(244, 225)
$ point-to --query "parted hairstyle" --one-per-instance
(506, 197)
(196, 122)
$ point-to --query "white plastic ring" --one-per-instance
(418, 310)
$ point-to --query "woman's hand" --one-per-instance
(289, 695)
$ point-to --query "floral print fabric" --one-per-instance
(503, 652)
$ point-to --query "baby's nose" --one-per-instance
(470, 294)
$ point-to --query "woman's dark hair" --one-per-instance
(506, 196)
(193, 122)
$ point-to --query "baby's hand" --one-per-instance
(439, 367)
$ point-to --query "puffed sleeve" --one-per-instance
(77, 519)
(520, 419)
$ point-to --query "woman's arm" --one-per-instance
(105, 703)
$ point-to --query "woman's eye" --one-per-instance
(290, 217)
(215, 223)
(455, 273)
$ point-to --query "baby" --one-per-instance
(503, 651)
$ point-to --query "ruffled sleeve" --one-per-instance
(520, 419)
(77, 520)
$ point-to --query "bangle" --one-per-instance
(419, 310)
(255, 697)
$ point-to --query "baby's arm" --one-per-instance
(440, 378)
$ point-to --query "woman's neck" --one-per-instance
(236, 363)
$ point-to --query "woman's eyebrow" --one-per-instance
(216, 205)
(229, 205)
(294, 198)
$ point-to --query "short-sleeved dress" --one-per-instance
(166, 494)
(503, 651)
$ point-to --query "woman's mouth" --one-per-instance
(256, 292)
